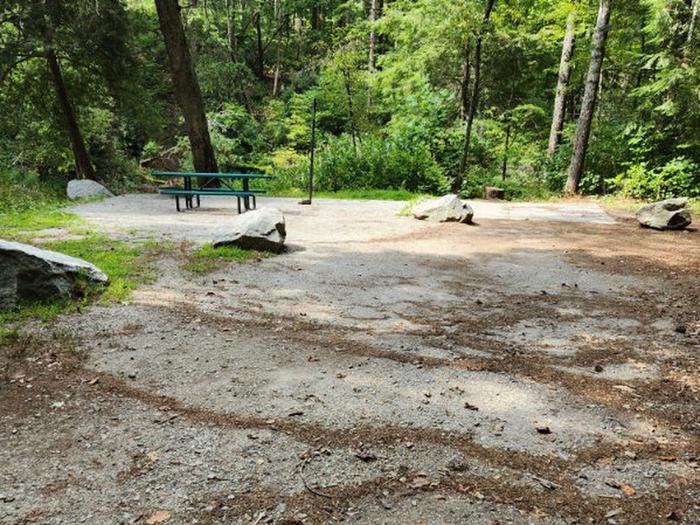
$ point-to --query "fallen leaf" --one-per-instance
(296, 413)
(543, 430)
(160, 516)
(469, 406)
(628, 490)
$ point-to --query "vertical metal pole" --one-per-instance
(313, 151)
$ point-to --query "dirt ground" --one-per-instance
(539, 367)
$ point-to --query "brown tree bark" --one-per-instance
(464, 84)
(187, 92)
(373, 16)
(567, 51)
(590, 96)
(693, 18)
(474, 101)
(83, 165)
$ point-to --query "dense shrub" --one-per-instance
(374, 162)
(678, 177)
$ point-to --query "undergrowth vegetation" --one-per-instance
(208, 258)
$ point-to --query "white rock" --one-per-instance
(670, 214)
(262, 229)
(86, 189)
(30, 274)
(445, 209)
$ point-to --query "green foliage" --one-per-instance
(374, 163)
(126, 264)
(678, 177)
(397, 127)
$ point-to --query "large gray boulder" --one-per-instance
(261, 229)
(86, 189)
(671, 214)
(29, 274)
(445, 209)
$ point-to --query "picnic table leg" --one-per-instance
(188, 186)
(177, 202)
(238, 200)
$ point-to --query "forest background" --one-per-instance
(417, 96)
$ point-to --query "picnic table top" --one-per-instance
(212, 175)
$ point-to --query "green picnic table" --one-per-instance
(212, 184)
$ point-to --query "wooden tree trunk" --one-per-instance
(231, 30)
(187, 92)
(590, 96)
(567, 51)
(464, 84)
(83, 165)
(373, 16)
(351, 113)
(693, 18)
(260, 53)
(474, 101)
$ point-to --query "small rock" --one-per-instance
(598, 368)
(680, 329)
(543, 429)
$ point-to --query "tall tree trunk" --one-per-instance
(693, 19)
(464, 84)
(351, 112)
(474, 101)
(231, 29)
(260, 54)
(590, 96)
(567, 51)
(373, 16)
(187, 92)
(316, 18)
(83, 165)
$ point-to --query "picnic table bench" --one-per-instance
(205, 186)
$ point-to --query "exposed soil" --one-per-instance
(384, 370)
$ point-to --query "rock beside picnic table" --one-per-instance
(261, 229)
(669, 214)
(445, 209)
(29, 274)
(86, 189)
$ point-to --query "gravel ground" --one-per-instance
(539, 367)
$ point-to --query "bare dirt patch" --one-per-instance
(390, 371)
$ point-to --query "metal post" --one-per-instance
(313, 151)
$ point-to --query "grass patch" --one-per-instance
(8, 336)
(18, 225)
(207, 258)
(126, 264)
(366, 194)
